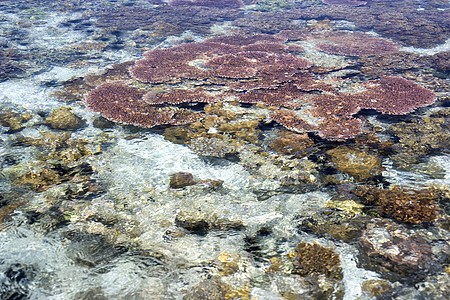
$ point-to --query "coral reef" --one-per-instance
(419, 137)
(406, 205)
(345, 2)
(75, 89)
(388, 18)
(125, 104)
(384, 64)
(166, 20)
(312, 258)
(208, 3)
(354, 44)
(273, 5)
(259, 70)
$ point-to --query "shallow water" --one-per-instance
(265, 149)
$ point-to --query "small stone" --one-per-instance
(181, 179)
(176, 135)
(63, 118)
(103, 123)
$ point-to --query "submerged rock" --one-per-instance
(63, 118)
(340, 225)
(420, 137)
(355, 162)
(213, 289)
(181, 179)
(395, 252)
(13, 120)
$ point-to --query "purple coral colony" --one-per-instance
(225, 149)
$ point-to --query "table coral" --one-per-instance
(124, 104)
(354, 44)
(345, 2)
(256, 69)
(208, 3)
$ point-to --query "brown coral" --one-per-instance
(312, 258)
(404, 204)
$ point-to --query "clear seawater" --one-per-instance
(90, 212)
